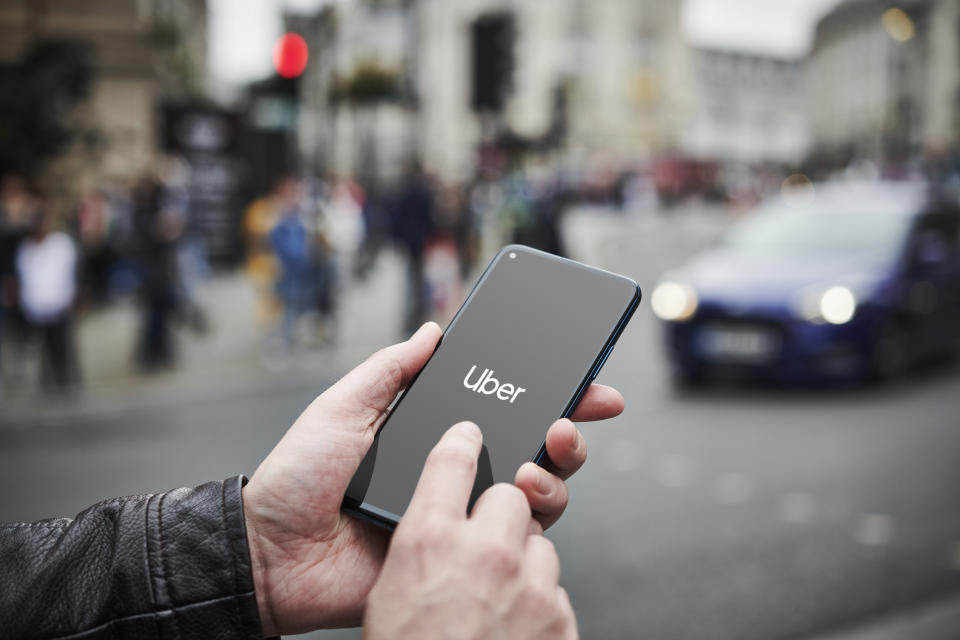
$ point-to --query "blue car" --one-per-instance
(845, 282)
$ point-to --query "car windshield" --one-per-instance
(806, 233)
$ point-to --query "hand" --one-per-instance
(313, 566)
(480, 577)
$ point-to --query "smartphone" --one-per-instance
(521, 351)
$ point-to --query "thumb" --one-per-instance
(362, 396)
(328, 441)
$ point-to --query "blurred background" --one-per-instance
(209, 211)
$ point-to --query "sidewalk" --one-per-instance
(235, 353)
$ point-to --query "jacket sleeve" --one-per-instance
(172, 565)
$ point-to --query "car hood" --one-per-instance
(727, 277)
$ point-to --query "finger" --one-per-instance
(371, 387)
(541, 560)
(503, 510)
(448, 474)
(566, 611)
(534, 528)
(546, 493)
(600, 402)
(566, 449)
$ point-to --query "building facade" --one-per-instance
(749, 111)
(356, 111)
(613, 78)
(139, 53)
(620, 68)
(882, 83)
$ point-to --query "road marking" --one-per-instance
(734, 488)
(797, 507)
(674, 471)
(623, 456)
(874, 529)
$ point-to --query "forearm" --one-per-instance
(172, 565)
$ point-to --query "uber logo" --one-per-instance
(488, 385)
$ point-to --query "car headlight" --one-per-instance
(837, 305)
(674, 301)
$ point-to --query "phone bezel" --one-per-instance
(389, 520)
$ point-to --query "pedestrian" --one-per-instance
(412, 217)
(16, 212)
(93, 223)
(191, 263)
(291, 244)
(259, 219)
(238, 559)
(46, 266)
(157, 229)
(344, 222)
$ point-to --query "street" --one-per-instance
(716, 514)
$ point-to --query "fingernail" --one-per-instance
(467, 429)
(426, 324)
(540, 484)
(580, 444)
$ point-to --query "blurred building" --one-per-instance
(749, 109)
(883, 82)
(356, 109)
(634, 85)
(138, 52)
(390, 80)
(611, 78)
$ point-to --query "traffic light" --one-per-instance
(493, 38)
(290, 55)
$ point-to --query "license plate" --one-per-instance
(747, 345)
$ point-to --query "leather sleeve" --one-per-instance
(172, 565)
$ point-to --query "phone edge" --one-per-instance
(388, 520)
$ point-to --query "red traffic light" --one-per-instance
(290, 55)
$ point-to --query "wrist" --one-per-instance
(258, 569)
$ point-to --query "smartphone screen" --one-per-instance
(518, 354)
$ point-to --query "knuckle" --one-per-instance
(566, 618)
(500, 559)
(565, 627)
(430, 533)
(554, 490)
(389, 368)
(556, 504)
(544, 600)
(435, 530)
(562, 624)
(510, 495)
(547, 545)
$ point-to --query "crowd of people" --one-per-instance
(304, 243)
(57, 259)
(309, 238)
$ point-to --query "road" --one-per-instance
(721, 514)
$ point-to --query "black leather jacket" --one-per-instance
(172, 565)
